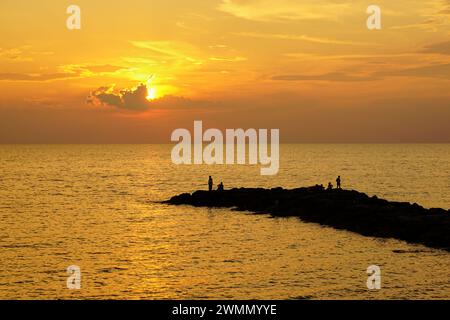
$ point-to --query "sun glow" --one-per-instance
(151, 94)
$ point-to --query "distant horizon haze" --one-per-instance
(133, 73)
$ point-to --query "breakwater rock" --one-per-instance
(342, 209)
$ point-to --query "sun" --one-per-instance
(151, 91)
(151, 94)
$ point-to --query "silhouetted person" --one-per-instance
(210, 183)
(220, 187)
(330, 186)
(338, 182)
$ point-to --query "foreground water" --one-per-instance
(96, 207)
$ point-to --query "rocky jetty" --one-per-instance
(342, 209)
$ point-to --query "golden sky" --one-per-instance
(308, 67)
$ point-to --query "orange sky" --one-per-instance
(310, 68)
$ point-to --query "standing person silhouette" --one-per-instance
(210, 183)
(338, 182)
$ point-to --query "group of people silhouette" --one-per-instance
(338, 184)
(220, 186)
(211, 183)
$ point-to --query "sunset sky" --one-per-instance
(308, 67)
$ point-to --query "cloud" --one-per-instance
(445, 7)
(333, 76)
(227, 59)
(440, 48)
(169, 50)
(126, 99)
(86, 69)
(429, 24)
(21, 54)
(348, 57)
(36, 76)
(436, 71)
(15, 54)
(265, 10)
(435, 15)
(301, 37)
(64, 72)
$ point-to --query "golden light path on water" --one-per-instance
(94, 206)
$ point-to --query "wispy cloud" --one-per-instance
(445, 8)
(440, 48)
(21, 53)
(333, 76)
(436, 71)
(301, 37)
(63, 72)
(364, 57)
(228, 59)
(266, 10)
(432, 16)
(86, 69)
(170, 50)
(429, 24)
(36, 76)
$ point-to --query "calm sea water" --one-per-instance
(95, 206)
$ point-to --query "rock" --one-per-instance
(343, 209)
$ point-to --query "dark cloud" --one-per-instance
(433, 71)
(440, 47)
(407, 118)
(127, 99)
(437, 71)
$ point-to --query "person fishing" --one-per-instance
(210, 183)
(338, 182)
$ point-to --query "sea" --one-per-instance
(98, 207)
